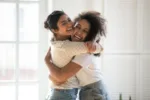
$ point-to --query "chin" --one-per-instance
(74, 39)
(78, 40)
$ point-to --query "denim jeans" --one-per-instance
(62, 94)
(94, 91)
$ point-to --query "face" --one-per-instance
(64, 26)
(81, 30)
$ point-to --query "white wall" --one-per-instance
(74, 7)
(126, 60)
(126, 63)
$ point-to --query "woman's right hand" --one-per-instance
(91, 46)
(55, 81)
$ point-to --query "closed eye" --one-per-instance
(64, 23)
(85, 31)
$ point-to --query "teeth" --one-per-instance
(77, 37)
(69, 29)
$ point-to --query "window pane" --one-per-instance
(7, 22)
(28, 92)
(29, 24)
(7, 61)
(28, 61)
(7, 92)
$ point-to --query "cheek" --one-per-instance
(75, 31)
(62, 29)
(84, 36)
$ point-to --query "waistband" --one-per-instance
(65, 89)
(94, 85)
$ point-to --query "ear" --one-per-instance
(55, 30)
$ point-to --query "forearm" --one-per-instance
(76, 48)
(55, 72)
(64, 73)
(55, 81)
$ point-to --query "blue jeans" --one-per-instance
(94, 91)
(62, 94)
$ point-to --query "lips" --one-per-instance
(69, 29)
(77, 37)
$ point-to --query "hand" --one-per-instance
(55, 81)
(48, 56)
(101, 47)
(90, 46)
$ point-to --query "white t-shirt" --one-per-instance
(90, 71)
(62, 53)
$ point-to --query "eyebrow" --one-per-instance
(86, 29)
(63, 21)
(77, 24)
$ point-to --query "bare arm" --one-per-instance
(55, 81)
(61, 74)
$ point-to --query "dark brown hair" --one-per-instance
(52, 19)
(97, 25)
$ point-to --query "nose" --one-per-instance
(78, 32)
(70, 24)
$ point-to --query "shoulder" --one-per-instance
(59, 43)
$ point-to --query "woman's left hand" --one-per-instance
(90, 46)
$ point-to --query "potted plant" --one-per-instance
(120, 97)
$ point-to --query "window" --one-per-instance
(20, 50)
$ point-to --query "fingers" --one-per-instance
(101, 47)
(90, 46)
(86, 45)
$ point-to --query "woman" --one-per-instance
(89, 26)
(61, 27)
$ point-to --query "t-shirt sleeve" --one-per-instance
(83, 60)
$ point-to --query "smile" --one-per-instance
(77, 37)
(70, 29)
